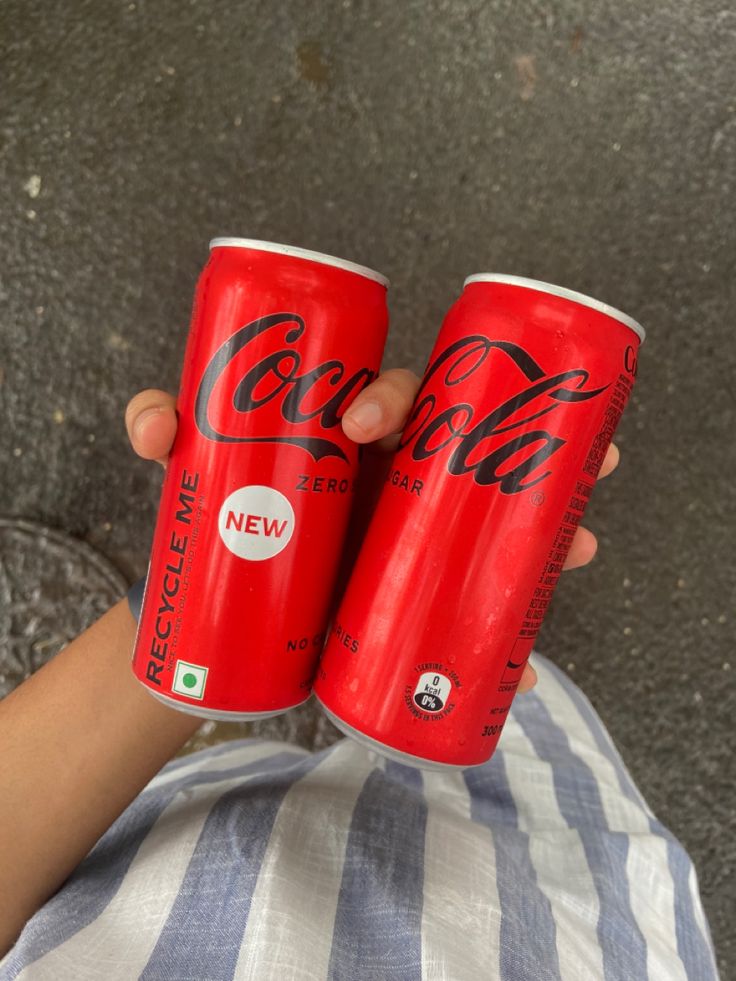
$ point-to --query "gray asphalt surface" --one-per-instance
(591, 145)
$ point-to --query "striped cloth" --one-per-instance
(260, 860)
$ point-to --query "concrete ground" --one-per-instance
(591, 145)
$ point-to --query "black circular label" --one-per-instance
(427, 702)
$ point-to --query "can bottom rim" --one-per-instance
(218, 715)
(388, 751)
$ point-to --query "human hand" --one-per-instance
(375, 419)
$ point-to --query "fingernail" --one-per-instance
(144, 418)
(527, 686)
(366, 416)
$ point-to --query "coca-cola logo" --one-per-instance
(234, 386)
(501, 447)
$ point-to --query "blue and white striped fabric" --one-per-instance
(262, 861)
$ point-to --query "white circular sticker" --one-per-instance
(432, 692)
(256, 522)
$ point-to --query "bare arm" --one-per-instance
(80, 739)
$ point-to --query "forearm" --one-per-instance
(78, 741)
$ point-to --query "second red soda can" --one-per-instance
(260, 479)
(524, 389)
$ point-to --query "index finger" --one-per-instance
(610, 461)
(150, 419)
(381, 409)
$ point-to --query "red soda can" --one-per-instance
(522, 394)
(260, 480)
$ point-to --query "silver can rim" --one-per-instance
(219, 715)
(298, 253)
(419, 762)
(561, 291)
